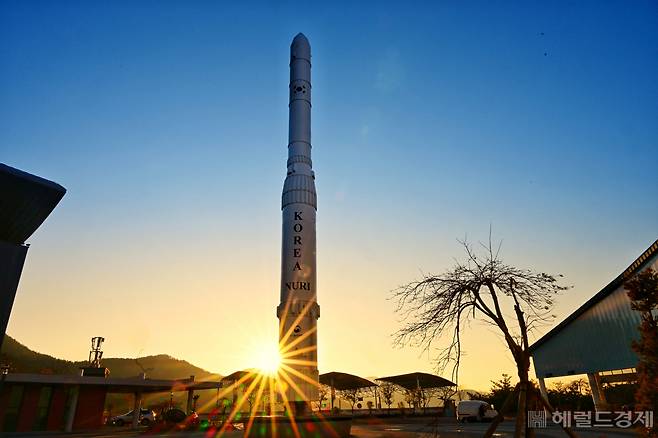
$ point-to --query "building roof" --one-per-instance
(415, 380)
(635, 267)
(26, 201)
(343, 381)
(113, 384)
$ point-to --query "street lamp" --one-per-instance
(4, 370)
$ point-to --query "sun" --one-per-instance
(268, 359)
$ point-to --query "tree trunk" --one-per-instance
(519, 429)
(530, 404)
(522, 408)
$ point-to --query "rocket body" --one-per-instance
(298, 310)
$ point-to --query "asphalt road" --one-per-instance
(468, 430)
(392, 428)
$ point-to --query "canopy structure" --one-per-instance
(344, 381)
(26, 200)
(112, 384)
(417, 380)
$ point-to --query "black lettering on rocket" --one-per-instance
(297, 252)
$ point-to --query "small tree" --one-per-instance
(482, 287)
(579, 392)
(642, 289)
(251, 399)
(500, 390)
(323, 393)
(226, 405)
(573, 396)
(445, 393)
(387, 390)
(409, 398)
(428, 394)
(373, 392)
(425, 397)
(351, 395)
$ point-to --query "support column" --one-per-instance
(12, 259)
(190, 398)
(333, 395)
(73, 407)
(137, 409)
(543, 391)
(600, 403)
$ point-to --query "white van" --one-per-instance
(475, 410)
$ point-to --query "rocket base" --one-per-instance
(310, 426)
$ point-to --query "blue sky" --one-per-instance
(167, 123)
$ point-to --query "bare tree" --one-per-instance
(480, 288)
(442, 393)
(413, 397)
(445, 393)
(425, 396)
(351, 395)
(387, 390)
(371, 392)
(323, 393)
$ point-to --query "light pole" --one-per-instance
(4, 370)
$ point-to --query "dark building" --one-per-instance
(46, 402)
(596, 339)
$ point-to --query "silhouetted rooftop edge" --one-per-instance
(26, 200)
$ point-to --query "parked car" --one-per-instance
(146, 417)
(475, 410)
(175, 419)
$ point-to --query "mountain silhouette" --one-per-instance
(22, 359)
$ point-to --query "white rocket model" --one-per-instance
(298, 311)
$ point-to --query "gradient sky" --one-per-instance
(167, 123)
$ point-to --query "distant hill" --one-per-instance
(161, 366)
(23, 360)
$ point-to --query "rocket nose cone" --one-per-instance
(300, 39)
(300, 48)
